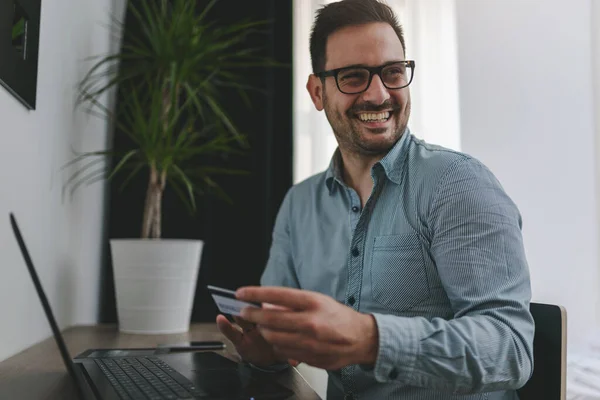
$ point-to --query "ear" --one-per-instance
(315, 89)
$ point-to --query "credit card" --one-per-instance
(226, 301)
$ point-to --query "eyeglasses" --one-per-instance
(354, 80)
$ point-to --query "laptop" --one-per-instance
(111, 374)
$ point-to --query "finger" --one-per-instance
(295, 299)
(292, 340)
(246, 326)
(274, 307)
(230, 331)
(290, 321)
(293, 363)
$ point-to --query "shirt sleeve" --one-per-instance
(477, 246)
(280, 265)
(280, 269)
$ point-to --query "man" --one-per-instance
(400, 269)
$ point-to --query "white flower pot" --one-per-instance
(155, 283)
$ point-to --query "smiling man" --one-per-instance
(401, 268)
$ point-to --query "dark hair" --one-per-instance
(341, 14)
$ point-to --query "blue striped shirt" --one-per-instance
(436, 256)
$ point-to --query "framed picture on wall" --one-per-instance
(19, 45)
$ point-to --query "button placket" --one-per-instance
(355, 269)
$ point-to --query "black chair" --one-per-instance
(548, 381)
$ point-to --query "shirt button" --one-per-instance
(393, 373)
(351, 300)
(355, 209)
(355, 252)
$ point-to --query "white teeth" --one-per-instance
(378, 117)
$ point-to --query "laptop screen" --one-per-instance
(64, 352)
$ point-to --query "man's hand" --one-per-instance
(311, 327)
(249, 343)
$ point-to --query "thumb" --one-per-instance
(245, 325)
(293, 363)
(227, 329)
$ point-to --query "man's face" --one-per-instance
(369, 45)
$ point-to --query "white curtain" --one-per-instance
(430, 35)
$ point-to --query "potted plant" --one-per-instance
(169, 74)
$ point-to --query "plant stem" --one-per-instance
(159, 190)
(151, 226)
(146, 221)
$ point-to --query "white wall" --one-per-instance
(527, 111)
(64, 236)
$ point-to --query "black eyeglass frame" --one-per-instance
(372, 71)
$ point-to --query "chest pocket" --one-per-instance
(398, 276)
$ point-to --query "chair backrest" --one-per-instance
(548, 380)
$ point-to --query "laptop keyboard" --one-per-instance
(147, 378)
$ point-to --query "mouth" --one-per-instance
(378, 119)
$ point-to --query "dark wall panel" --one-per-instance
(237, 237)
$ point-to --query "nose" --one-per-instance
(376, 93)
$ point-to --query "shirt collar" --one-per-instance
(392, 163)
(334, 171)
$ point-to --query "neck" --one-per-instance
(356, 172)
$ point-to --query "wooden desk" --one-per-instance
(39, 373)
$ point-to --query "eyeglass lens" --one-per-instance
(394, 76)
